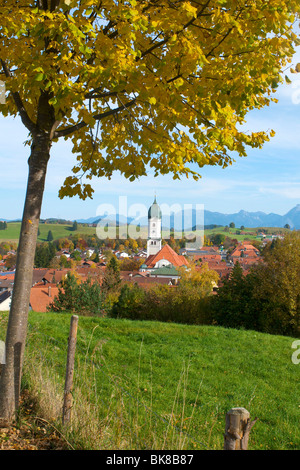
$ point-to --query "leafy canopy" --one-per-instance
(267, 298)
(144, 84)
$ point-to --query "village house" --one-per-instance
(5, 300)
(121, 254)
(6, 283)
(166, 256)
(213, 257)
(245, 254)
(89, 252)
(41, 296)
(65, 253)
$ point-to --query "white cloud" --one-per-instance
(286, 190)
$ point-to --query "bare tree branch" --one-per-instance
(97, 117)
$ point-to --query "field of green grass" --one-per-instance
(61, 231)
(154, 385)
(58, 231)
(250, 233)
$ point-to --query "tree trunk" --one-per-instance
(10, 380)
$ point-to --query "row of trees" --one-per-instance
(186, 303)
(268, 298)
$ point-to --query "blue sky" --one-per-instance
(266, 180)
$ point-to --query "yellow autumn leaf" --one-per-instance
(196, 66)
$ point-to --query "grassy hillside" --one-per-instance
(248, 233)
(60, 231)
(158, 385)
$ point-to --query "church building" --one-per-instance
(157, 256)
(154, 229)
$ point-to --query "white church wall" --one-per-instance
(162, 262)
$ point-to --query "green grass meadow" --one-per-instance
(248, 233)
(151, 385)
(58, 231)
(63, 231)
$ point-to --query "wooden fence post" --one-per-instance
(70, 370)
(237, 429)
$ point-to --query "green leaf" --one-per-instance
(53, 100)
(39, 77)
(287, 79)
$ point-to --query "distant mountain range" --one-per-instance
(192, 218)
(255, 219)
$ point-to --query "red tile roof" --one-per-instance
(221, 268)
(208, 257)
(38, 274)
(168, 254)
(8, 276)
(249, 251)
(90, 271)
(41, 296)
(55, 275)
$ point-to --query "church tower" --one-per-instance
(154, 229)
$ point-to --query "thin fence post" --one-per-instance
(237, 429)
(66, 416)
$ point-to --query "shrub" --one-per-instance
(85, 298)
(162, 303)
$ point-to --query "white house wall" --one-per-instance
(5, 305)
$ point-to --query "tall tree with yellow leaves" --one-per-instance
(135, 85)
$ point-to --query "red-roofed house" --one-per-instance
(165, 257)
(41, 296)
(211, 257)
(220, 267)
(55, 276)
(246, 254)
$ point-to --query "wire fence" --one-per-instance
(115, 396)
